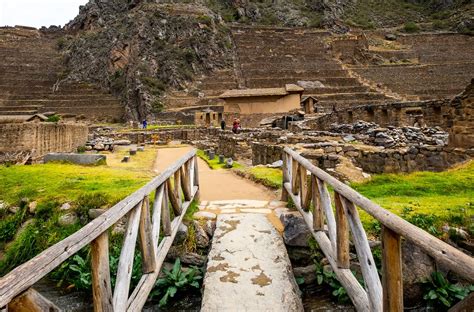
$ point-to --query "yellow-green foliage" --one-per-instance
(214, 163)
(445, 196)
(271, 177)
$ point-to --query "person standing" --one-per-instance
(223, 124)
(145, 124)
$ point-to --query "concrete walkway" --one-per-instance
(248, 267)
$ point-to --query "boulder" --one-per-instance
(276, 164)
(189, 258)
(229, 163)
(181, 235)
(204, 215)
(417, 266)
(32, 207)
(391, 37)
(202, 240)
(295, 233)
(122, 142)
(66, 206)
(94, 213)
(308, 273)
(210, 227)
(68, 219)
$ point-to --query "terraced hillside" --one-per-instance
(272, 57)
(425, 66)
(30, 80)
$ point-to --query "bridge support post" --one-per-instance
(286, 178)
(392, 278)
(101, 285)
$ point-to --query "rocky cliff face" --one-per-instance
(138, 48)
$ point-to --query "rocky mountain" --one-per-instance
(138, 49)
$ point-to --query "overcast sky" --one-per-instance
(38, 13)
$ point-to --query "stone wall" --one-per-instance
(165, 135)
(34, 140)
(421, 113)
(461, 129)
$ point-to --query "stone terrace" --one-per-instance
(442, 65)
(30, 69)
(272, 57)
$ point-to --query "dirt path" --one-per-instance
(215, 184)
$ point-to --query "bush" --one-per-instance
(439, 292)
(54, 118)
(411, 27)
(88, 201)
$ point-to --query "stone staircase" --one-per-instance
(30, 73)
(442, 65)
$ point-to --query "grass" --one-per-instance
(446, 197)
(214, 163)
(270, 177)
(24, 235)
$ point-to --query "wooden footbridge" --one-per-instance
(159, 207)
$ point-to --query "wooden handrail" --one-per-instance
(136, 206)
(334, 244)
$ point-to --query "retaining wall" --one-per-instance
(37, 139)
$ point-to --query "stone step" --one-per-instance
(18, 112)
(289, 64)
(351, 96)
(59, 97)
(107, 113)
(61, 103)
(303, 74)
(350, 103)
(20, 108)
(279, 82)
(333, 90)
(248, 266)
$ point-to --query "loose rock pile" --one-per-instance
(390, 137)
(102, 143)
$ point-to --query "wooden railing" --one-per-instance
(176, 187)
(333, 231)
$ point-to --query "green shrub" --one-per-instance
(411, 27)
(10, 224)
(88, 201)
(81, 149)
(54, 118)
(439, 292)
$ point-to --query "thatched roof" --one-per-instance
(289, 88)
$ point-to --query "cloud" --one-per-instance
(38, 13)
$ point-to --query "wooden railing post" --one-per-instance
(196, 178)
(185, 185)
(392, 277)
(305, 192)
(325, 200)
(147, 245)
(343, 260)
(295, 188)
(286, 177)
(101, 286)
(165, 212)
(318, 216)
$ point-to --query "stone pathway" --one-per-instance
(248, 267)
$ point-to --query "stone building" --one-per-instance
(252, 105)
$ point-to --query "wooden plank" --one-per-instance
(196, 178)
(156, 216)
(443, 253)
(392, 276)
(286, 177)
(147, 282)
(364, 254)
(345, 277)
(295, 187)
(21, 278)
(305, 189)
(185, 185)
(165, 213)
(325, 199)
(318, 216)
(175, 202)
(31, 301)
(101, 285)
(145, 233)
(124, 271)
(343, 259)
(177, 185)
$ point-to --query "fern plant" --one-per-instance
(174, 280)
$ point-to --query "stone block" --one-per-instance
(79, 159)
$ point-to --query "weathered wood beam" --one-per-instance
(175, 202)
(147, 282)
(364, 254)
(145, 232)
(318, 216)
(31, 301)
(343, 259)
(185, 184)
(286, 177)
(124, 271)
(101, 285)
(325, 199)
(305, 188)
(295, 186)
(354, 290)
(156, 215)
(392, 276)
(165, 213)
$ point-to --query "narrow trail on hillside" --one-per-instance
(215, 184)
